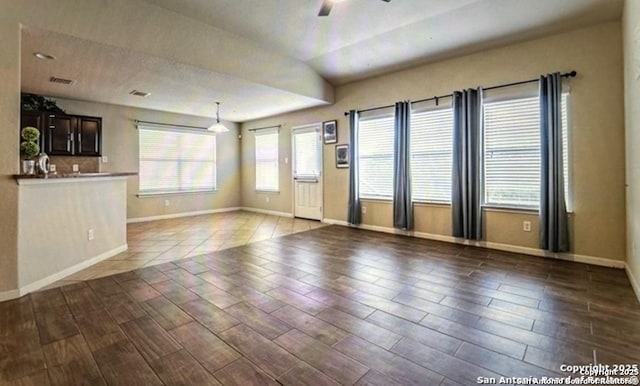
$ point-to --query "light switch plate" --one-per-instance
(105, 159)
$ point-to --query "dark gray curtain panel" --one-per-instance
(467, 164)
(353, 216)
(402, 206)
(554, 228)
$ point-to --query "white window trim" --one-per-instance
(423, 109)
(383, 113)
(177, 129)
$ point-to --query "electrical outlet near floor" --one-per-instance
(167, 202)
(364, 209)
(75, 168)
(526, 226)
(90, 234)
(267, 198)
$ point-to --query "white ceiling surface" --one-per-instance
(359, 39)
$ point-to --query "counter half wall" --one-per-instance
(57, 219)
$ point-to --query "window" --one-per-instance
(267, 160)
(175, 160)
(431, 154)
(512, 152)
(307, 153)
(375, 157)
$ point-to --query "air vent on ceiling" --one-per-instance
(61, 81)
(140, 93)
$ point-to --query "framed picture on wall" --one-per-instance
(330, 130)
(342, 156)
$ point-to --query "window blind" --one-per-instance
(431, 154)
(375, 157)
(174, 160)
(267, 160)
(512, 152)
(307, 154)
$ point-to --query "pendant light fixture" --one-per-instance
(218, 127)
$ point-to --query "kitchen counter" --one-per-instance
(27, 179)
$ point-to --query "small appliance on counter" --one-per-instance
(42, 164)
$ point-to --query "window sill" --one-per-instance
(505, 209)
(272, 192)
(379, 199)
(146, 195)
(432, 203)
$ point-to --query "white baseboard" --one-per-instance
(635, 284)
(594, 260)
(335, 222)
(182, 214)
(8, 295)
(269, 212)
(31, 287)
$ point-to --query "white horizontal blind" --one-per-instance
(565, 149)
(267, 160)
(431, 155)
(174, 160)
(512, 152)
(375, 157)
(307, 154)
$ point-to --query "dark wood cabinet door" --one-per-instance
(89, 136)
(33, 119)
(60, 134)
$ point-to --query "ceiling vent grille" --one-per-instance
(67, 82)
(140, 93)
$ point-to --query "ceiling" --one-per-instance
(359, 39)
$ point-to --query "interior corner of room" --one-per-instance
(261, 104)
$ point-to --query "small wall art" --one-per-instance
(330, 130)
(342, 156)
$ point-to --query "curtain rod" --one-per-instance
(569, 74)
(266, 127)
(172, 125)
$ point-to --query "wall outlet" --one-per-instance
(286, 160)
(90, 234)
(267, 198)
(75, 168)
(364, 209)
(105, 159)
(167, 202)
(526, 226)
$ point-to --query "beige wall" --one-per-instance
(631, 37)
(9, 153)
(120, 145)
(597, 133)
(54, 221)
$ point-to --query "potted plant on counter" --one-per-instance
(29, 148)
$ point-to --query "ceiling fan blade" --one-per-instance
(325, 8)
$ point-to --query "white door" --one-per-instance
(307, 172)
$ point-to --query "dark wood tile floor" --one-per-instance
(329, 306)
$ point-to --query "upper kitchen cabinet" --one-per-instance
(73, 135)
(60, 134)
(89, 136)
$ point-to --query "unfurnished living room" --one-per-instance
(319, 192)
